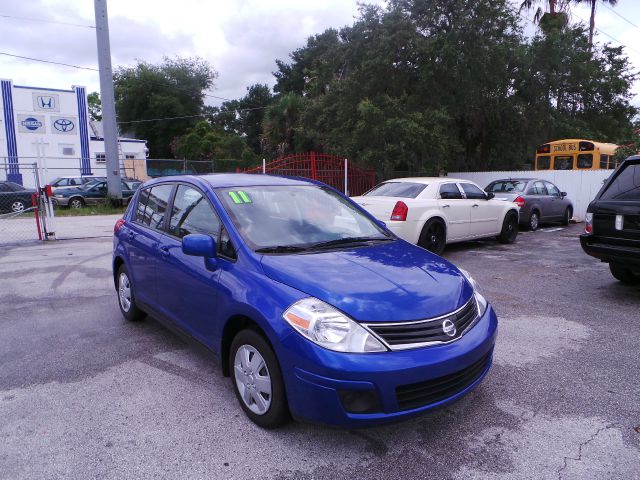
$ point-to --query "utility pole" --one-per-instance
(109, 124)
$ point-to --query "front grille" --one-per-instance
(411, 334)
(438, 389)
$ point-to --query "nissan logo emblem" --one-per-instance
(449, 328)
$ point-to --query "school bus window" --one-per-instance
(604, 160)
(544, 162)
(563, 162)
(585, 160)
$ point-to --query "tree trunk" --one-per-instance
(552, 6)
(592, 21)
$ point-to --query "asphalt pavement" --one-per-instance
(84, 394)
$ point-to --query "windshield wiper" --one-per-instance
(281, 249)
(348, 240)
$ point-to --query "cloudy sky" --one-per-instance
(240, 38)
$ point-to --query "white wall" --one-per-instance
(581, 186)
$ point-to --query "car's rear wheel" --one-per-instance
(433, 236)
(18, 206)
(534, 221)
(76, 202)
(509, 231)
(257, 380)
(568, 213)
(126, 298)
(624, 275)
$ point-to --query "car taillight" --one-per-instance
(118, 225)
(588, 227)
(400, 211)
(519, 201)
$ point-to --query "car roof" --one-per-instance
(520, 179)
(227, 180)
(426, 180)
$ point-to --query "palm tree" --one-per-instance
(555, 7)
(592, 18)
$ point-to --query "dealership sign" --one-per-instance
(63, 125)
(31, 124)
(46, 102)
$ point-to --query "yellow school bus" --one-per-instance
(575, 154)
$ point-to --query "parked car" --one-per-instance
(73, 182)
(312, 306)
(540, 201)
(432, 212)
(14, 198)
(612, 229)
(89, 194)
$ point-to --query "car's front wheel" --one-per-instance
(433, 236)
(257, 380)
(624, 275)
(126, 299)
(566, 219)
(509, 228)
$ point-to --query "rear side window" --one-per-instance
(544, 162)
(585, 160)
(506, 186)
(472, 192)
(538, 189)
(192, 213)
(450, 191)
(563, 162)
(397, 189)
(141, 204)
(625, 186)
(156, 208)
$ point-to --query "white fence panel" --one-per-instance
(581, 186)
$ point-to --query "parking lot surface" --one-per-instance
(84, 394)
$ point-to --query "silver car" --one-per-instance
(540, 201)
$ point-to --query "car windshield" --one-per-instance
(280, 219)
(397, 189)
(506, 186)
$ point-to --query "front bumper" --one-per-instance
(317, 377)
(612, 250)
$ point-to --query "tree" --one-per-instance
(94, 105)
(592, 16)
(283, 124)
(170, 94)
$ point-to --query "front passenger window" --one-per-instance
(192, 213)
(472, 192)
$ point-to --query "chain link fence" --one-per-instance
(19, 216)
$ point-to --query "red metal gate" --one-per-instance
(330, 169)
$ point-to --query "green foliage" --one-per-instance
(629, 145)
(446, 84)
(206, 142)
(94, 104)
(174, 88)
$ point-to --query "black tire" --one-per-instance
(534, 221)
(568, 213)
(132, 313)
(277, 414)
(509, 231)
(433, 236)
(622, 274)
(76, 202)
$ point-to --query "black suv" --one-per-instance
(612, 231)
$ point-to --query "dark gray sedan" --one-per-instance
(540, 201)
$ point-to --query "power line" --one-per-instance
(620, 15)
(42, 20)
(607, 35)
(47, 61)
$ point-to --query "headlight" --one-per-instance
(480, 300)
(330, 328)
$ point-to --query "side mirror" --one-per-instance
(490, 195)
(198, 245)
(563, 194)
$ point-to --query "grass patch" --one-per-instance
(89, 210)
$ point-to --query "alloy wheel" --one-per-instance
(124, 292)
(534, 222)
(17, 207)
(252, 379)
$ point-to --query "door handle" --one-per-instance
(476, 205)
(446, 206)
(164, 251)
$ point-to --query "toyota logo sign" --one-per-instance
(63, 125)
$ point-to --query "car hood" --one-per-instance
(394, 281)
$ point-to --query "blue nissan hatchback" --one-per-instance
(313, 307)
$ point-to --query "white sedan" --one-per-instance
(434, 211)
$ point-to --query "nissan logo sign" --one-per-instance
(449, 328)
(31, 123)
